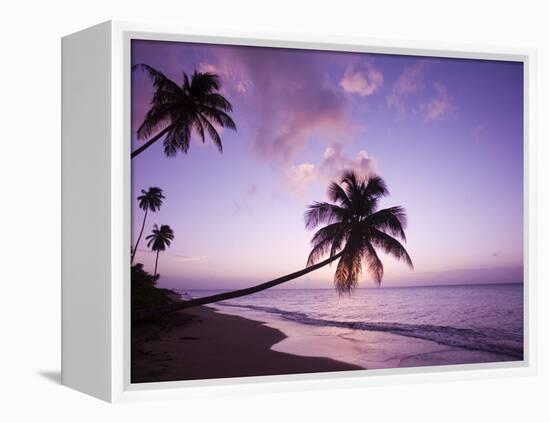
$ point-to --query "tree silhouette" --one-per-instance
(159, 239)
(148, 200)
(178, 110)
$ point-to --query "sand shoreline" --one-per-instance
(367, 349)
(203, 344)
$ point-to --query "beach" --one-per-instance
(226, 340)
(203, 344)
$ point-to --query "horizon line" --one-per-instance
(363, 288)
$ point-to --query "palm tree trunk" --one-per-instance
(139, 237)
(156, 263)
(151, 141)
(143, 314)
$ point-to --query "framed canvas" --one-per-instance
(253, 212)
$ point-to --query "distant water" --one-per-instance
(486, 318)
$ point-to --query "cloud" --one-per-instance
(290, 100)
(142, 250)
(178, 258)
(412, 83)
(232, 78)
(333, 164)
(409, 82)
(438, 105)
(186, 259)
(363, 82)
(301, 175)
(208, 67)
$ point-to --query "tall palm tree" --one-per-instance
(148, 200)
(355, 229)
(177, 110)
(159, 240)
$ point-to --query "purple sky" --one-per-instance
(445, 134)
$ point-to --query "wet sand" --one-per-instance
(202, 344)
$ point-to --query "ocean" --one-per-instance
(392, 327)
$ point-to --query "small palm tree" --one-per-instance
(177, 110)
(355, 229)
(148, 200)
(159, 240)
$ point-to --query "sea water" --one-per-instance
(469, 318)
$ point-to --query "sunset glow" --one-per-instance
(445, 134)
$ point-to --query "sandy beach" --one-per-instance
(202, 344)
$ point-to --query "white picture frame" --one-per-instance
(96, 228)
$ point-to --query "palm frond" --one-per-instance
(392, 220)
(199, 128)
(217, 101)
(155, 119)
(327, 239)
(318, 213)
(214, 136)
(375, 187)
(374, 264)
(158, 78)
(390, 246)
(348, 270)
(337, 194)
(204, 82)
(219, 116)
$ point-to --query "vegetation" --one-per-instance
(145, 294)
(148, 200)
(177, 110)
(159, 240)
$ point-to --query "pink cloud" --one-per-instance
(333, 164)
(229, 73)
(300, 176)
(438, 105)
(362, 82)
(291, 101)
(208, 67)
(409, 82)
(187, 259)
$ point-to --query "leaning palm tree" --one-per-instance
(177, 110)
(159, 239)
(148, 200)
(356, 229)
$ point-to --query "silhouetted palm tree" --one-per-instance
(159, 240)
(148, 200)
(178, 110)
(355, 229)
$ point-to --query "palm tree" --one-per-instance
(148, 200)
(355, 229)
(158, 241)
(178, 110)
